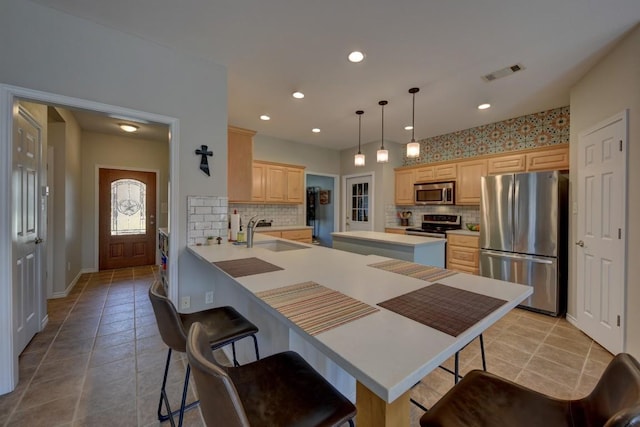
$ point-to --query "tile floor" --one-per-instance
(100, 359)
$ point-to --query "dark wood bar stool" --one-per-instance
(484, 399)
(221, 326)
(279, 390)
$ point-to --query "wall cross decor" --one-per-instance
(204, 162)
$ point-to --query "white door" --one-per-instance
(601, 237)
(28, 208)
(359, 203)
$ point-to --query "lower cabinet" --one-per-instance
(463, 253)
(394, 230)
(299, 235)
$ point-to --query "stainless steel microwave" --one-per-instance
(434, 193)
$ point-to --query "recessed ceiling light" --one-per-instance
(265, 117)
(127, 127)
(315, 130)
(298, 95)
(356, 56)
(408, 127)
(483, 106)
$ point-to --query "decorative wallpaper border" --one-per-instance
(541, 129)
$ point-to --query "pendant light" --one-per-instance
(382, 155)
(359, 158)
(413, 148)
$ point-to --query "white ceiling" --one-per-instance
(275, 47)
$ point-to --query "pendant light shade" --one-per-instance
(359, 158)
(413, 148)
(382, 155)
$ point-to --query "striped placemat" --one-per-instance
(445, 308)
(314, 307)
(246, 266)
(417, 271)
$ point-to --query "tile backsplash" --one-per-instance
(469, 214)
(206, 216)
(280, 214)
(541, 129)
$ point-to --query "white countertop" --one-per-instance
(398, 239)
(464, 232)
(386, 352)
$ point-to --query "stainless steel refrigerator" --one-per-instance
(523, 235)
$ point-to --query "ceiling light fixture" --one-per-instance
(382, 155)
(265, 117)
(408, 127)
(483, 106)
(413, 148)
(315, 130)
(359, 158)
(356, 56)
(298, 95)
(127, 127)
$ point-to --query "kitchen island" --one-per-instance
(374, 360)
(418, 249)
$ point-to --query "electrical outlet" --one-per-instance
(185, 302)
(208, 297)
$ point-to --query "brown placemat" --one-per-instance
(315, 308)
(411, 269)
(246, 267)
(447, 309)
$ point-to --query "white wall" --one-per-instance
(316, 159)
(46, 50)
(607, 89)
(114, 151)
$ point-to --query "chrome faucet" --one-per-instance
(251, 228)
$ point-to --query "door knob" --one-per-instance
(37, 241)
(580, 243)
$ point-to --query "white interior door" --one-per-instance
(359, 203)
(601, 241)
(28, 207)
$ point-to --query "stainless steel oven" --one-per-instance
(434, 193)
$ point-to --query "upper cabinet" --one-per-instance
(468, 182)
(278, 183)
(549, 159)
(467, 173)
(239, 163)
(436, 173)
(404, 186)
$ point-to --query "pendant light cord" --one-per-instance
(359, 113)
(413, 119)
(382, 136)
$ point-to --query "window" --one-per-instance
(360, 202)
(128, 207)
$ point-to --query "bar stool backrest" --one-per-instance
(168, 319)
(219, 400)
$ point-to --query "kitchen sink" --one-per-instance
(278, 245)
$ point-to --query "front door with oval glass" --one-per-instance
(127, 218)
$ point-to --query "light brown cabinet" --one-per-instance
(404, 187)
(436, 173)
(554, 159)
(394, 230)
(463, 253)
(468, 182)
(507, 164)
(277, 183)
(467, 173)
(239, 164)
(299, 235)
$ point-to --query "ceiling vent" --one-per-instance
(502, 73)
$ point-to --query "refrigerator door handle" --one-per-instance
(516, 207)
(518, 256)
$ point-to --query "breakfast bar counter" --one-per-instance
(375, 357)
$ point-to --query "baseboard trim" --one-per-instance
(69, 287)
(572, 320)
